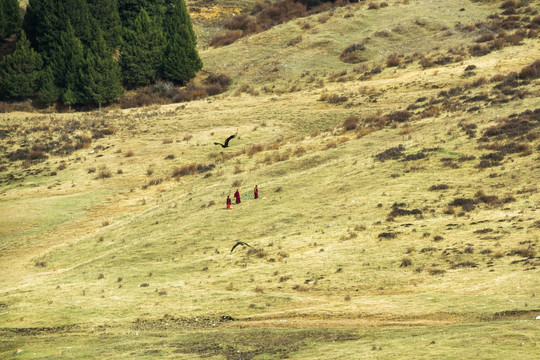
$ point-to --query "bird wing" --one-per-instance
(216, 143)
(235, 245)
(229, 139)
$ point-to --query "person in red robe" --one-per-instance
(237, 196)
(256, 192)
(229, 202)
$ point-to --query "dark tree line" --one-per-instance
(87, 51)
(10, 17)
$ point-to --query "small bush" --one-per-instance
(405, 262)
(387, 235)
(353, 54)
(393, 60)
(351, 123)
(333, 98)
(104, 172)
(465, 264)
(226, 39)
(485, 38)
(373, 6)
(436, 271)
(530, 72)
(438, 187)
(528, 252)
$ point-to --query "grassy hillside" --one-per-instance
(398, 210)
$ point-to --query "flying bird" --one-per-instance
(239, 243)
(226, 142)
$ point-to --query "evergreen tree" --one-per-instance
(46, 20)
(141, 54)
(12, 16)
(106, 14)
(180, 60)
(3, 23)
(129, 10)
(48, 92)
(68, 97)
(67, 62)
(78, 14)
(20, 72)
(102, 81)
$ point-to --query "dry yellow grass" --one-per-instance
(138, 264)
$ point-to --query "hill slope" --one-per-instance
(410, 232)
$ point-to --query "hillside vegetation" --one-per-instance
(396, 150)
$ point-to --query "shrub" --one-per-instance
(405, 262)
(479, 50)
(393, 60)
(439, 187)
(253, 149)
(426, 63)
(436, 271)
(353, 54)
(226, 39)
(373, 6)
(528, 252)
(530, 72)
(399, 116)
(221, 79)
(333, 98)
(295, 41)
(104, 172)
(189, 94)
(351, 123)
(485, 38)
(464, 264)
(391, 153)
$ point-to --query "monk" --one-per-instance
(237, 196)
(229, 202)
(256, 192)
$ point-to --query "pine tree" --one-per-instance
(106, 14)
(20, 71)
(78, 14)
(141, 53)
(69, 97)
(180, 60)
(67, 63)
(12, 15)
(3, 23)
(129, 10)
(46, 20)
(102, 81)
(48, 92)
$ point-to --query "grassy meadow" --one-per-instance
(398, 218)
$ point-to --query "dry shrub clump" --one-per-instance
(225, 39)
(191, 169)
(406, 261)
(104, 172)
(351, 123)
(243, 24)
(333, 98)
(393, 60)
(391, 153)
(530, 72)
(353, 54)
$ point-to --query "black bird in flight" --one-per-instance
(226, 142)
(239, 243)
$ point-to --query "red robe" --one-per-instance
(256, 192)
(229, 202)
(237, 196)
